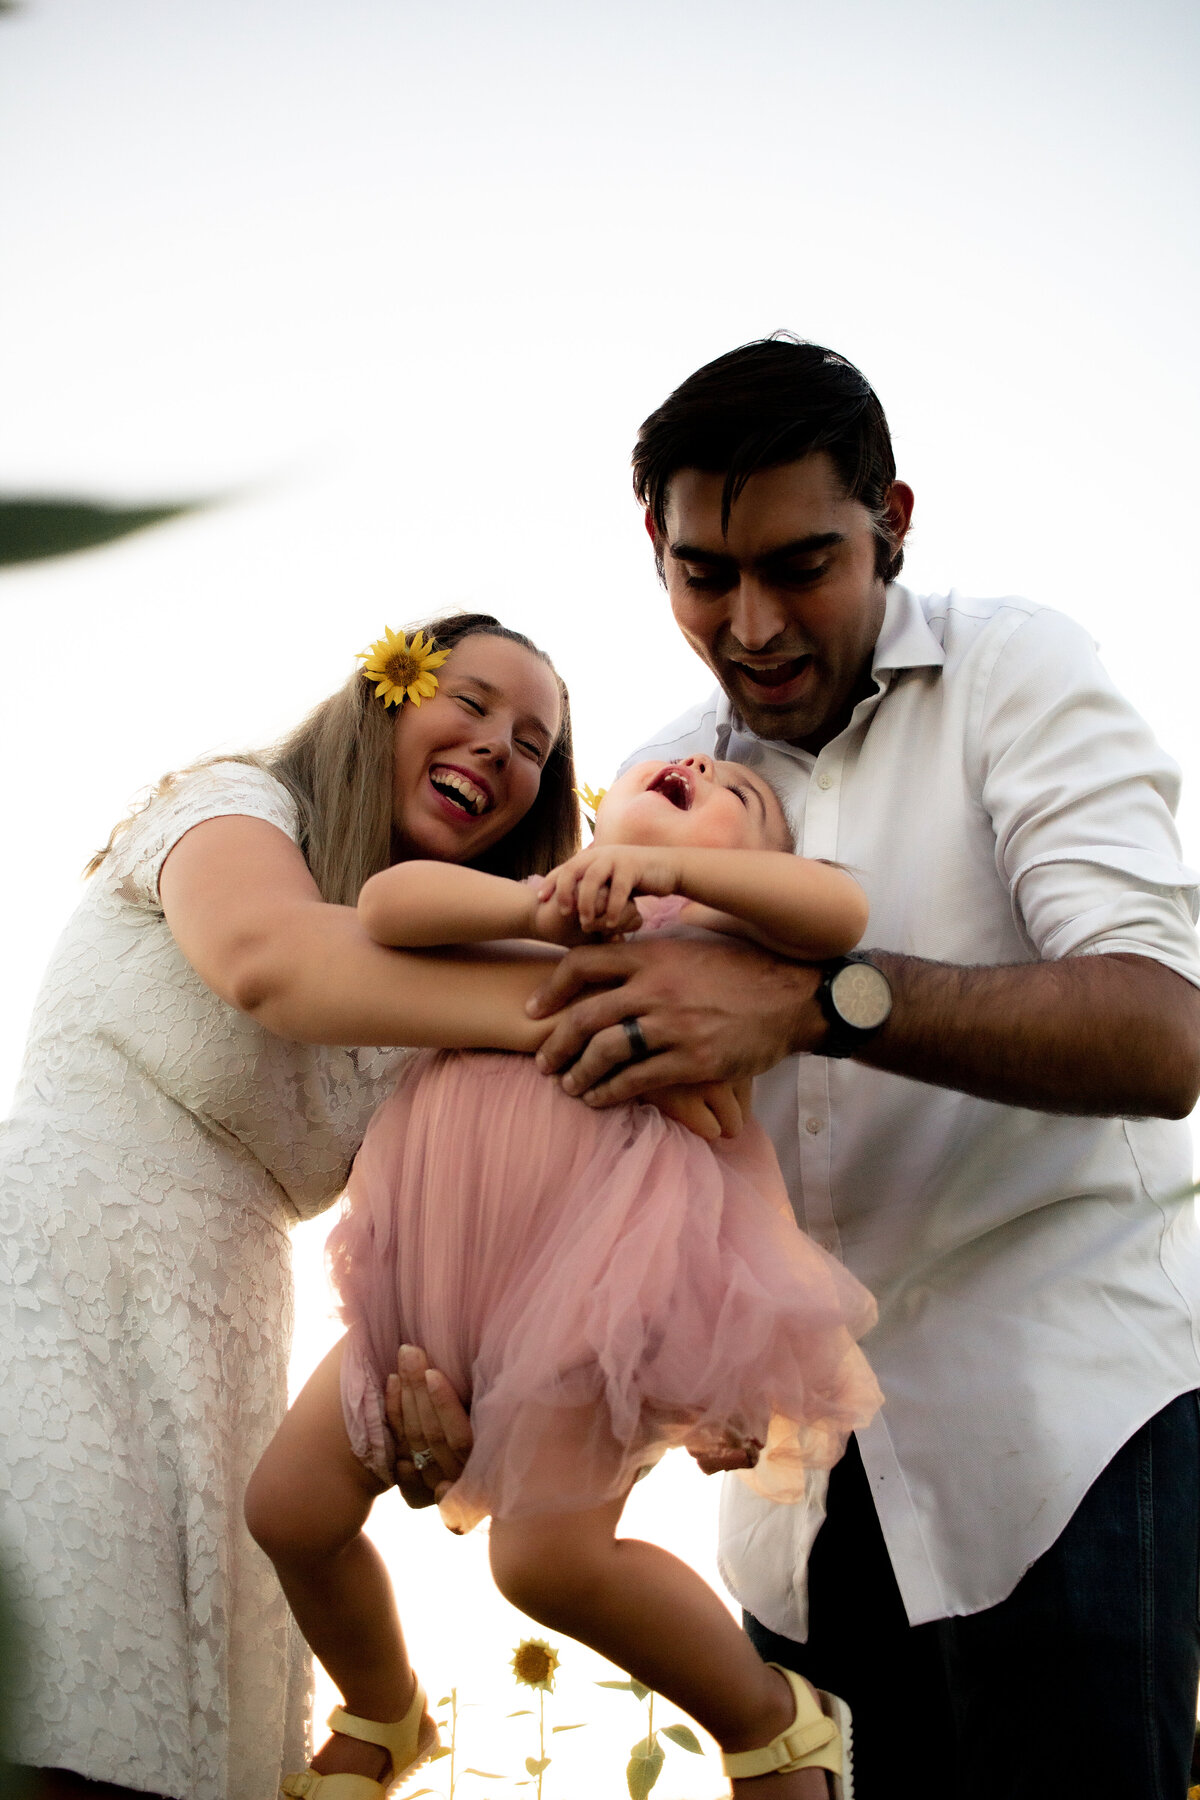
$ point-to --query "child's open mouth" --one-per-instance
(675, 785)
(460, 791)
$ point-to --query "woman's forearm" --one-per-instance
(322, 980)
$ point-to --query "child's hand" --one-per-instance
(552, 926)
(598, 885)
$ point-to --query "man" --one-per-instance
(973, 1117)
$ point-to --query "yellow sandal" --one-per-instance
(817, 1738)
(401, 1739)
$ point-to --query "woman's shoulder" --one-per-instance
(213, 791)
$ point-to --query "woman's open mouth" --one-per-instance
(460, 791)
(675, 785)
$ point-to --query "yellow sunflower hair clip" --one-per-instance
(403, 670)
(591, 798)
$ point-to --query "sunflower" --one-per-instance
(591, 798)
(534, 1663)
(401, 668)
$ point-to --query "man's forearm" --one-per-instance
(1099, 1035)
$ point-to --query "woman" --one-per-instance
(187, 1094)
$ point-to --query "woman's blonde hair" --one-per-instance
(338, 767)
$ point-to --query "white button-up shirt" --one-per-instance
(1038, 1277)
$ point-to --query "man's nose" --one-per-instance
(756, 614)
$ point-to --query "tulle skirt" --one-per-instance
(597, 1286)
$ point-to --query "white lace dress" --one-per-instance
(160, 1147)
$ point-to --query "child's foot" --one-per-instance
(342, 1755)
(796, 1784)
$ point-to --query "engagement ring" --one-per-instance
(423, 1458)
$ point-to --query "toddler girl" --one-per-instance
(597, 1285)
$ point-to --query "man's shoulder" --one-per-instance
(691, 732)
(960, 622)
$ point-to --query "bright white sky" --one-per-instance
(396, 284)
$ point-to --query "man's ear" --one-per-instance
(898, 512)
(653, 534)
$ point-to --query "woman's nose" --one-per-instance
(495, 748)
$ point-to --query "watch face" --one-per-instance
(861, 996)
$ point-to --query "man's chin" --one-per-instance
(794, 714)
(786, 724)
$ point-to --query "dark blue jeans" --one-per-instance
(1080, 1686)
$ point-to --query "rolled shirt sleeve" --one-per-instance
(1081, 799)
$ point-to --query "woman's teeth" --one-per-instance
(461, 790)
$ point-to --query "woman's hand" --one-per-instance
(430, 1426)
(711, 1110)
(599, 884)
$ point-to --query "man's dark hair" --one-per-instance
(771, 402)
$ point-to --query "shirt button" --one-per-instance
(812, 1126)
(824, 781)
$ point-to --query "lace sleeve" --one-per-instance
(217, 792)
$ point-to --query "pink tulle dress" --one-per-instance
(597, 1285)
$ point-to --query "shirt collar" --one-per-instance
(904, 642)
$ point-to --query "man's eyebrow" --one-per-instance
(802, 546)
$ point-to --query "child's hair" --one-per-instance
(788, 828)
(338, 767)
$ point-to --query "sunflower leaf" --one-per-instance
(436, 1755)
(537, 1765)
(32, 529)
(644, 1769)
(488, 1774)
(625, 1686)
(578, 1727)
(525, 1712)
(446, 1700)
(687, 1740)
(639, 1690)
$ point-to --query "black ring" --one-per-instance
(639, 1049)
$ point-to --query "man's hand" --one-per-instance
(708, 1012)
(428, 1421)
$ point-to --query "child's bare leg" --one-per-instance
(653, 1616)
(306, 1505)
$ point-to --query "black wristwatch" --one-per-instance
(856, 998)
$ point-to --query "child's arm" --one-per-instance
(418, 905)
(795, 906)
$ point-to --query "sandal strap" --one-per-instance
(812, 1741)
(308, 1785)
(399, 1737)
